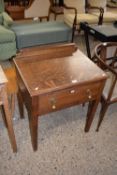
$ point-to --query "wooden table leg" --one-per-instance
(92, 108)
(33, 124)
(90, 114)
(20, 104)
(8, 118)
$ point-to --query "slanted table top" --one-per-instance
(45, 72)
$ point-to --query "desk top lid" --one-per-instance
(41, 75)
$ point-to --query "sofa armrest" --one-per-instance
(7, 20)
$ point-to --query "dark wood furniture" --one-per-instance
(104, 33)
(109, 64)
(56, 9)
(15, 11)
(56, 77)
(17, 2)
(6, 108)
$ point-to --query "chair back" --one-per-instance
(38, 8)
(78, 4)
(97, 3)
(106, 54)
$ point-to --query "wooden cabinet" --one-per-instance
(16, 12)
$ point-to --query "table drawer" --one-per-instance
(67, 97)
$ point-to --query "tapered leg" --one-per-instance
(33, 124)
(20, 104)
(12, 104)
(8, 119)
(102, 113)
(90, 114)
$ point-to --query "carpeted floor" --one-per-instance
(63, 146)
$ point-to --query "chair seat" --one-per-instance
(108, 86)
(83, 17)
(108, 16)
(6, 35)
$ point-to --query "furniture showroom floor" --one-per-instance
(64, 148)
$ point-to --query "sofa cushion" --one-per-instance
(33, 34)
(6, 35)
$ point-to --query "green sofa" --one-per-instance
(16, 35)
(7, 36)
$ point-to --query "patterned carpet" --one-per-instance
(63, 147)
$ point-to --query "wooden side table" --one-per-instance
(7, 112)
(56, 77)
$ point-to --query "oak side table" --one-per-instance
(54, 77)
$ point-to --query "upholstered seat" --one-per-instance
(84, 17)
(108, 16)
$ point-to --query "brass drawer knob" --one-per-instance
(72, 91)
(89, 94)
(53, 107)
(53, 103)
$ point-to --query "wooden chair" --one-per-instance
(107, 15)
(56, 9)
(75, 12)
(37, 9)
(106, 55)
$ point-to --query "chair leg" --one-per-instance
(101, 116)
(8, 119)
